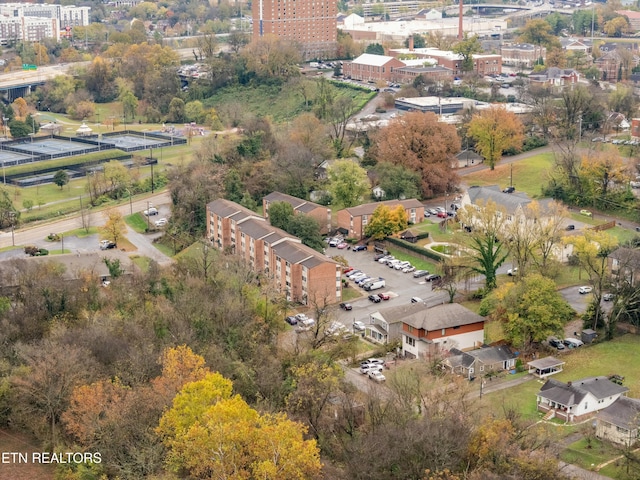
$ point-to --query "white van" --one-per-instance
(573, 342)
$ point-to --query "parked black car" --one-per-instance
(509, 190)
(359, 248)
(375, 298)
(571, 227)
(291, 320)
(346, 306)
(434, 277)
(555, 343)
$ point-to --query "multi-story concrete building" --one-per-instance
(27, 29)
(299, 272)
(35, 22)
(300, 207)
(522, 55)
(310, 24)
(354, 219)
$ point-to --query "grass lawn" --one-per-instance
(281, 104)
(142, 262)
(81, 232)
(137, 221)
(521, 398)
(622, 234)
(493, 332)
(619, 356)
(618, 470)
(351, 293)
(435, 233)
(528, 175)
(588, 456)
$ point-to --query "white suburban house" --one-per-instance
(575, 401)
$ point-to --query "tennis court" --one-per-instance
(138, 142)
(51, 146)
(8, 159)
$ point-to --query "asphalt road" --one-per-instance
(36, 234)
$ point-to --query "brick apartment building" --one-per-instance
(484, 64)
(299, 272)
(300, 207)
(353, 220)
(372, 68)
(312, 25)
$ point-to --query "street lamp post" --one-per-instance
(130, 201)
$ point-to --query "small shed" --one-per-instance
(588, 335)
(52, 128)
(466, 158)
(545, 367)
(409, 236)
(84, 130)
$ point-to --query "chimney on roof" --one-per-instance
(460, 34)
(411, 43)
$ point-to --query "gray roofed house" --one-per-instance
(574, 401)
(619, 422)
(624, 262)
(556, 77)
(514, 204)
(423, 329)
(480, 362)
(369, 208)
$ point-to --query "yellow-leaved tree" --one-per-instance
(211, 434)
(495, 130)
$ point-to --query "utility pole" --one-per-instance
(511, 180)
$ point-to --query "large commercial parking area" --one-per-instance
(400, 287)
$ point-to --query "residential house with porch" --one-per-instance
(300, 207)
(483, 361)
(355, 219)
(619, 422)
(578, 400)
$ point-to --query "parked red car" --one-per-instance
(383, 296)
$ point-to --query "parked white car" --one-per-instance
(376, 376)
(584, 290)
(360, 326)
(368, 368)
(161, 222)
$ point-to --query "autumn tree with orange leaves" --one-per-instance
(421, 144)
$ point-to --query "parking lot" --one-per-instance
(399, 286)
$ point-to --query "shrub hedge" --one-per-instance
(425, 252)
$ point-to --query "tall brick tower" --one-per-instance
(310, 23)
